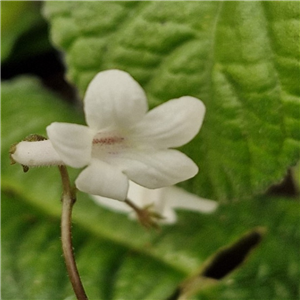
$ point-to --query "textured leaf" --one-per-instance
(116, 257)
(32, 266)
(296, 176)
(241, 58)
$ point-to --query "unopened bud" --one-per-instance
(35, 154)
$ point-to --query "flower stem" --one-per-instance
(146, 216)
(68, 200)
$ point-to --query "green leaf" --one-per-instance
(116, 257)
(241, 58)
(33, 267)
(296, 176)
(17, 18)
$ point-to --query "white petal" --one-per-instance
(157, 198)
(72, 142)
(139, 195)
(102, 179)
(142, 196)
(169, 216)
(114, 99)
(171, 124)
(112, 204)
(157, 169)
(36, 154)
(164, 200)
(179, 198)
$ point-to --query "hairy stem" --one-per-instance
(68, 200)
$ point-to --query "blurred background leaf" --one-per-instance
(296, 176)
(26, 47)
(21, 21)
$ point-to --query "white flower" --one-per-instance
(122, 141)
(163, 201)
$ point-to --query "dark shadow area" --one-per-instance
(285, 188)
(225, 261)
(232, 257)
(34, 55)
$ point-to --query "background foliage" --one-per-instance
(242, 60)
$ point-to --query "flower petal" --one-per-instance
(164, 201)
(72, 142)
(156, 169)
(179, 198)
(171, 124)
(36, 154)
(102, 179)
(112, 204)
(114, 99)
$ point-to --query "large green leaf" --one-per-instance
(116, 257)
(240, 57)
(33, 268)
